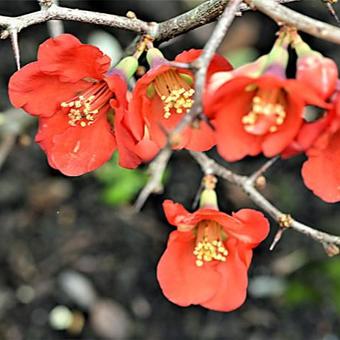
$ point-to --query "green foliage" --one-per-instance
(331, 269)
(299, 292)
(318, 284)
(120, 185)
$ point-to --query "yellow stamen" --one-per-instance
(175, 93)
(267, 112)
(209, 243)
(84, 108)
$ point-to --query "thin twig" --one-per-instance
(208, 164)
(284, 15)
(262, 169)
(156, 172)
(55, 12)
(198, 16)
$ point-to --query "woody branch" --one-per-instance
(199, 16)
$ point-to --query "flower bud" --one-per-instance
(154, 54)
(314, 69)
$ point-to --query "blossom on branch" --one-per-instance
(160, 100)
(321, 171)
(208, 256)
(257, 109)
(80, 104)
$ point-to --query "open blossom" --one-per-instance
(79, 102)
(208, 256)
(320, 73)
(256, 108)
(321, 170)
(160, 100)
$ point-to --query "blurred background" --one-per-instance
(77, 263)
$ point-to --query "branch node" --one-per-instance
(260, 182)
(331, 249)
(209, 181)
(285, 221)
(4, 34)
(131, 15)
(45, 4)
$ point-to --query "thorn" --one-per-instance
(277, 238)
(329, 4)
(15, 46)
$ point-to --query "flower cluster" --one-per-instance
(86, 112)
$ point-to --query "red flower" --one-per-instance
(318, 72)
(79, 103)
(207, 257)
(254, 115)
(161, 98)
(321, 171)
(321, 74)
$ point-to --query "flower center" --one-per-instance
(83, 109)
(209, 243)
(267, 112)
(175, 93)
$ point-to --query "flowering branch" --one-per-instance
(200, 67)
(210, 166)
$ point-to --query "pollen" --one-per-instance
(175, 93)
(209, 243)
(207, 251)
(83, 109)
(267, 113)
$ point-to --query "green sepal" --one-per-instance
(128, 66)
(208, 199)
(153, 53)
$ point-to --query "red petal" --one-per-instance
(318, 72)
(218, 63)
(183, 282)
(38, 93)
(254, 227)
(201, 138)
(232, 289)
(76, 150)
(321, 171)
(175, 213)
(66, 57)
(276, 142)
(193, 138)
(146, 149)
(140, 103)
(128, 158)
(233, 142)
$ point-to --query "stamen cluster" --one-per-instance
(206, 251)
(80, 111)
